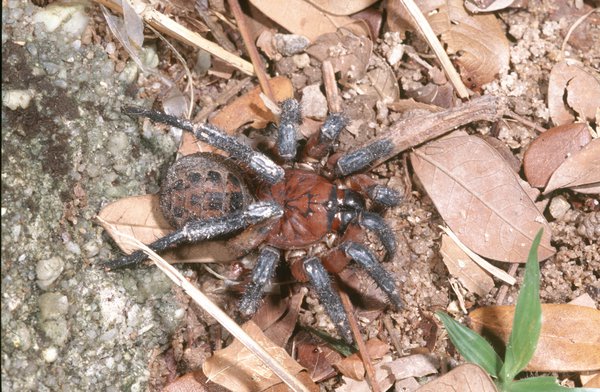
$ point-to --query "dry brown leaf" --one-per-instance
(316, 356)
(248, 109)
(579, 172)
(383, 377)
(306, 19)
(480, 198)
(348, 53)
(383, 81)
(404, 105)
(238, 369)
(352, 366)
(416, 365)
(580, 85)
(440, 96)
(193, 382)
(460, 265)
(478, 41)
(569, 338)
(140, 217)
(336, 7)
(550, 149)
(464, 378)
(280, 332)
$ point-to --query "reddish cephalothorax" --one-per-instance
(205, 196)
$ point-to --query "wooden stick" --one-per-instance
(425, 28)
(259, 67)
(331, 89)
(512, 270)
(362, 348)
(173, 29)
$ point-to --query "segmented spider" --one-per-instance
(285, 208)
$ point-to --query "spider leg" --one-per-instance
(375, 223)
(358, 160)
(202, 230)
(329, 298)
(261, 277)
(319, 144)
(290, 118)
(259, 163)
(383, 195)
(366, 259)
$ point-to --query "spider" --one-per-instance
(286, 208)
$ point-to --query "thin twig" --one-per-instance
(259, 67)
(387, 323)
(425, 28)
(524, 121)
(212, 309)
(362, 348)
(512, 270)
(573, 27)
(331, 89)
(173, 29)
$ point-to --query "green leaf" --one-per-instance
(336, 344)
(527, 322)
(540, 384)
(471, 346)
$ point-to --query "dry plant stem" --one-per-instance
(512, 270)
(425, 29)
(362, 348)
(414, 131)
(524, 121)
(331, 90)
(211, 308)
(215, 28)
(387, 323)
(259, 67)
(173, 29)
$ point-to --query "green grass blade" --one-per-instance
(527, 322)
(471, 346)
(540, 384)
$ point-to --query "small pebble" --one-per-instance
(14, 99)
(313, 103)
(53, 306)
(50, 354)
(301, 60)
(559, 206)
(47, 271)
(290, 44)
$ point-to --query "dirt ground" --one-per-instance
(67, 324)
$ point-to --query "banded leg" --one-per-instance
(329, 298)
(319, 144)
(360, 159)
(367, 260)
(259, 163)
(202, 230)
(383, 195)
(375, 223)
(289, 120)
(261, 277)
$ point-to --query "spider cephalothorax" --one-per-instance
(205, 196)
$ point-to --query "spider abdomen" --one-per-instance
(202, 186)
(309, 203)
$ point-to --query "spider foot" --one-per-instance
(261, 277)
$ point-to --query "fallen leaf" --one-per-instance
(336, 7)
(464, 378)
(504, 151)
(480, 198)
(579, 172)
(403, 105)
(569, 338)
(550, 149)
(306, 19)
(383, 377)
(140, 217)
(317, 357)
(248, 109)
(566, 13)
(193, 382)
(238, 369)
(440, 96)
(280, 331)
(495, 5)
(348, 53)
(383, 81)
(478, 41)
(416, 365)
(580, 85)
(353, 367)
(460, 265)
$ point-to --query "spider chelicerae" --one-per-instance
(284, 207)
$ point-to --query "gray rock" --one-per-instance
(53, 306)
(56, 330)
(290, 44)
(313, 103)
(47, 271)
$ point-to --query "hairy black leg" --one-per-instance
(261, 277)
(366, 259)
(288, 129)
(328, 297)
(319, 145)
(259, 163)
(375, 223)
(202, 230)
(359, 159)
(385, 196)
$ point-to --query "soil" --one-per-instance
(70, 151)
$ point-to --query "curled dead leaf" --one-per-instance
(550, 150)
(336, 7)
(464, 378)
(579, 172)
(480, 198)
(569, 338)
(353, 367)
(580, 86)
